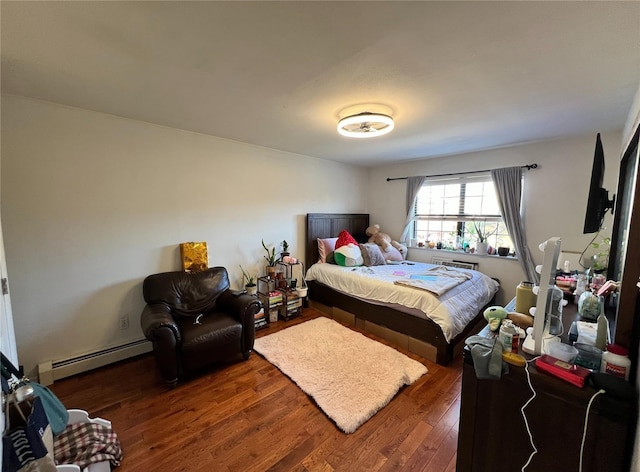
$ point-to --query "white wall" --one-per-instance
(93, 203)
(554, 200)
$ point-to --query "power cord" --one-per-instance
(586, 422)
(585, 250)
(560, 323)
(526, 422)
(524, 416)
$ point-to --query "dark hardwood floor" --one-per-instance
(248, 416)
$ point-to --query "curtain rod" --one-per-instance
(528, 167)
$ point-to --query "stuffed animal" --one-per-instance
(349, 255)
(347, 251)
(401, 248)
(494, 315)
(345, 238)
(384, 240)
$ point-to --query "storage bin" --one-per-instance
(588, 356)
(81, 416)
(562, 351)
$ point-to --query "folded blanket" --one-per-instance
(86, 443)
(437, 280)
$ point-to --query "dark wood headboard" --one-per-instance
(329, 225)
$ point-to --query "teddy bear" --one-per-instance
(384, 240)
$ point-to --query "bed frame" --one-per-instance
(423, 337)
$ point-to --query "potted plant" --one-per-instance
(482, 234)
(285, 249)
(249, 282)
(599, 261)
(271, 260)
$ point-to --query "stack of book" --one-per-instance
(566, 283)
(272, 301)
(294, 304)
(260, 319)
(275, 299)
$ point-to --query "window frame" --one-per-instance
(463, 232)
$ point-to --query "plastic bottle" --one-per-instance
(525, 298)
(581, 286)
(602, 331)
(509, 336)
(615, 361)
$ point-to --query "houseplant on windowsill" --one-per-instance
(481, 235)
(249, 282)
(271, 260)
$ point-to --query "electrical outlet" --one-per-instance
(124, 322)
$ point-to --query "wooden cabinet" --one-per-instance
(492, 433)
(493, 437)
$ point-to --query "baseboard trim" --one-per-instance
(50, 371)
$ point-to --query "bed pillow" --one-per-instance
(372, 255)
(393, 255)
(325, 246)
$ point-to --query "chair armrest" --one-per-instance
(157, 316)
(242, 306)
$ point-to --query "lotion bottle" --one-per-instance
(602, 332)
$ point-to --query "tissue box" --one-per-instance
(583, 332)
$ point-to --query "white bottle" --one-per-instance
(509, 336)
(602, 332)
(615, 361)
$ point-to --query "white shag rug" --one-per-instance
(350, 376)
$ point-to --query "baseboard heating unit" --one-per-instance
(50, 371)
(453, 263)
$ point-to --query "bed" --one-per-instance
(407, 327)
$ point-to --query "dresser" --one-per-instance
(492, 434)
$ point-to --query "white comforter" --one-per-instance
(452, 311)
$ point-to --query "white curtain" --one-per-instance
(414, 184)
(508, 184)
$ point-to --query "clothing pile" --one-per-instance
(39, 433)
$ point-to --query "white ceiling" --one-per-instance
(458, 76)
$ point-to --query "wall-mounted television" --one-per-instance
(598, 201)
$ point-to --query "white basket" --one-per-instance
(81, 416)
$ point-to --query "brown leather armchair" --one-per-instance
(193, 319)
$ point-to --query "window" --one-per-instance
(451, 211)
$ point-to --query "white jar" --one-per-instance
(615, 361)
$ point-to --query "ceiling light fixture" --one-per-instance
(365, 125)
